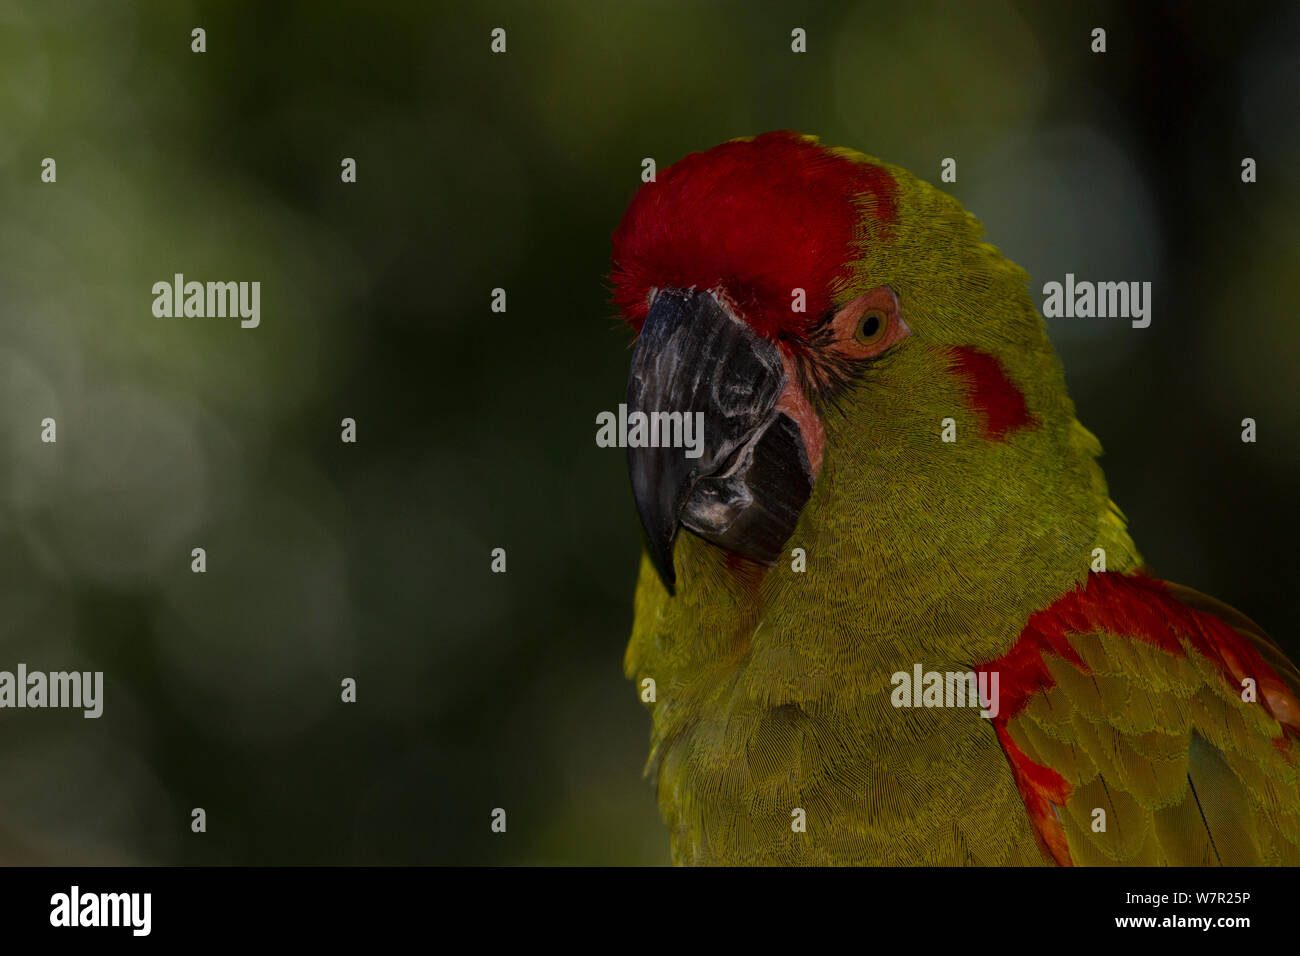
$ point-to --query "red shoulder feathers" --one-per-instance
(1140, 608)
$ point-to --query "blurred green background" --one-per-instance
(476, 430)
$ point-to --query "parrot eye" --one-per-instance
(871, 327)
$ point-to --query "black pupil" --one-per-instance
(870, 326)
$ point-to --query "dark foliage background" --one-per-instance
(476, 430)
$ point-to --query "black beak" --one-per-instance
(716, 456)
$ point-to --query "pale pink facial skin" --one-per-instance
(795, 404)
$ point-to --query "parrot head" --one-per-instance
(873, 377)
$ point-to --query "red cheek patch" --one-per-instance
(990, 394)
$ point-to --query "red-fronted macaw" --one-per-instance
(891, 481)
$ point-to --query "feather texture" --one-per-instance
(774, 737)
(1166, 733)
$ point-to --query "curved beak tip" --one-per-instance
(748, 478)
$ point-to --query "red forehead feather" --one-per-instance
(760, 217)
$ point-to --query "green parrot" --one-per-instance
(887, 612)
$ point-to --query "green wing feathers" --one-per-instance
(1144, 710)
